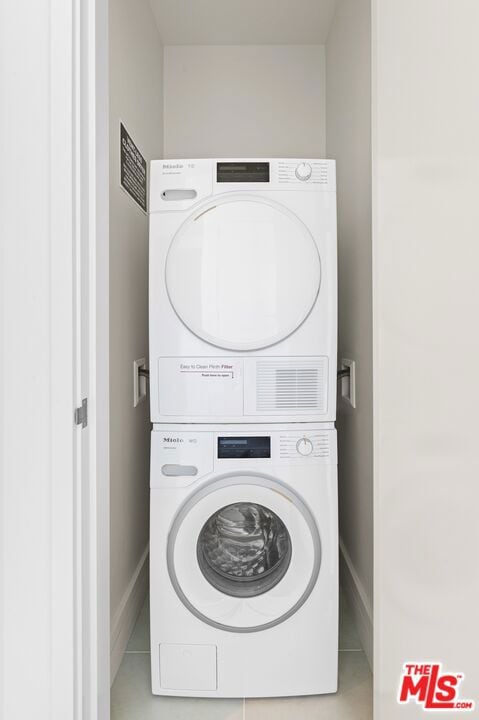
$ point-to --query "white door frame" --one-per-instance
(54, 539)
(92, 113)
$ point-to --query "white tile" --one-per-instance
(131, 698)
(140, 637)
(348, 635)
(353, 701)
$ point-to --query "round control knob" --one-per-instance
(304, 446)
(303, 171)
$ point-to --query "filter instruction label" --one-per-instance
(210, 370)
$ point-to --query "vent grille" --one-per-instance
(293, 386)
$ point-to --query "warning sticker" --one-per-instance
(133, 169)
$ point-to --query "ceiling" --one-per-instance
(243, 22)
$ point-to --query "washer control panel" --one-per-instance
(308, 444)
(180, 457)
(304, 446)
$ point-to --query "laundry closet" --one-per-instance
(213, 80)
(385, 93)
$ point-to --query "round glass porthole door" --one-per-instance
(244, 549)
(243, 273)
(243, 552)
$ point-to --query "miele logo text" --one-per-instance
(429, 686)
(173, 440)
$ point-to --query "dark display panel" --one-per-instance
(244, 447)
(237, 172)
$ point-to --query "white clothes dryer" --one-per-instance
(244, 561)
(243, 307)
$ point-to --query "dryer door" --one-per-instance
(244, 552)
(243, 273)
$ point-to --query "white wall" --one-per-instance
(248, 100)
(426, 339)
(348, 140)
(136, 59)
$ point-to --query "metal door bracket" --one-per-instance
(81, 413)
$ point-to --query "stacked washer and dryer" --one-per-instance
(243, 522)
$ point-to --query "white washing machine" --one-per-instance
(244, 561)
(243, 308)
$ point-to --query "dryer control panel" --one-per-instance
(179, 458)
(176, 185)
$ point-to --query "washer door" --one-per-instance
(244, 552)
(243, 273)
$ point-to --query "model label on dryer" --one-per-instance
(175, 168)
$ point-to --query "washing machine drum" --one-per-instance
(244, 552)
(243, 273)
(244, 549)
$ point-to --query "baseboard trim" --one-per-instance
(357, 600)
(124, 617)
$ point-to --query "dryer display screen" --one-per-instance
(242, 172)
(244, 447)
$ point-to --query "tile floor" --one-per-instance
(131, 698)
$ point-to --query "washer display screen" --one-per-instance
(244, 447)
